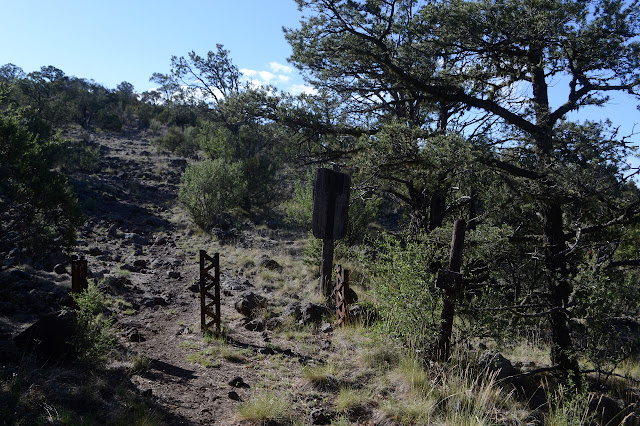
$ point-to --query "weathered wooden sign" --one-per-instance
(330, 217)
(330, 204)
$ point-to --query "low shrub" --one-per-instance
(95, 337)
(211, 188)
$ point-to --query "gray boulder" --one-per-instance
(495, 363)
(249, 303)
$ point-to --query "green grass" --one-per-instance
(267, 406)
(204, 358)
(322, 375)
(349, 398)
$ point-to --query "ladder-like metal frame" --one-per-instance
(342, 291)
(209, 303)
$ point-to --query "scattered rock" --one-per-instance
(255, 325)
(173, 274)
(238, 382)
(50, 336)
(266, 351)
(273, 323)
(195, 287)
(159, 301)
(266, 262)
(60, 269)
(134, 335)
(312, 313)
(137, 239)
(234, 396)
(140, 263)
(113, 230)
(320, 416)
(95, 251)
(147, 393)
(497, 364)
(326, 328)
(325, 345)
(249, 303)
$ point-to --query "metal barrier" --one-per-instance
(342, 296)
(209, 303)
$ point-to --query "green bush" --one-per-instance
(77, 155)
(95, 337)
(409, 303)
(211, 188)
(299, 208)
(109, 122)
(182, 142)
(40, 208)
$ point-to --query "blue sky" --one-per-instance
(114, 41)
(117, 40)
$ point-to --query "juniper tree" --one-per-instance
(498, 61)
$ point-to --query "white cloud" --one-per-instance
(297, 89)
(266, 76)
(249, 73)
(276, 67)
(283, 78)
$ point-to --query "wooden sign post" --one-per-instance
(330, 215)
(450, 280)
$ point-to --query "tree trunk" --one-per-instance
(559, 290)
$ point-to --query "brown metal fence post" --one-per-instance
(207, 281)
(450, 281)
(78, 274)
(342, 294)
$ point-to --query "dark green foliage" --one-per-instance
(181, 141)
(109, 122)
(77, 155)
(404, 288)
(427, 70)
(210, 189)
(95, 337)
(243, 130)
(40, 210)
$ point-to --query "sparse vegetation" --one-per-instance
(95, 337)
(548, 285)
(267, 406)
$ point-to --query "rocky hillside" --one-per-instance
(142, 254)
(279, 359)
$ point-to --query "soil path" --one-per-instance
(143, 256)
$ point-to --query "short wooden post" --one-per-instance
(78, 274)
(450, 281)
(342, 296)
(207, 281)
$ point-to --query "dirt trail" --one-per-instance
(136, 248)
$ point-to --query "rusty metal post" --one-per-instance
(206, 283)
(342, 296)
(78, 274)
(451, 282)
